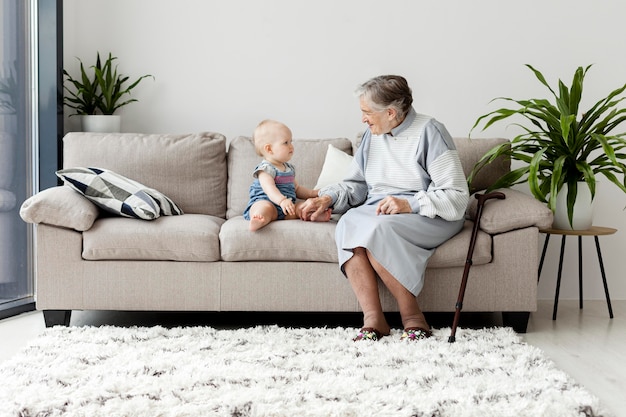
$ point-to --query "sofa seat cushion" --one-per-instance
(284, 240)
(189, 237)
(294, 240)
(453, 253)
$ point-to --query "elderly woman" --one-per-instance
(405, 195)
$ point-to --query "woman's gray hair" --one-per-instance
(387, 91)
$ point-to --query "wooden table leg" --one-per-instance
(580, 272)
(606, 287)
(558, 280)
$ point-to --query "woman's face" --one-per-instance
(379, 121)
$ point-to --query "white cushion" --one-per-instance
(335, 168)
(60, 206)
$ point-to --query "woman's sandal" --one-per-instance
(368, 333)
(415, 333)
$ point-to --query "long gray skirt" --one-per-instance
(401, 243)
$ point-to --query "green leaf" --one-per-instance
(566, 123)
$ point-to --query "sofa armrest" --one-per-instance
(518, 210)
(60, 206)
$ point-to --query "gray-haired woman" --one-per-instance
(405, 195)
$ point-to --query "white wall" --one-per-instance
(224, 66)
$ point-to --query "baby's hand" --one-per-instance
(288, 206)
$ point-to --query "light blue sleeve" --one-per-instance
(447, 195)
(264, 166)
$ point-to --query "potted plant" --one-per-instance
(99, 94)
(560, 146)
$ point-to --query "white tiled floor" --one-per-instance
(584, 343)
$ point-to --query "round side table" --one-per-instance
(594, 231)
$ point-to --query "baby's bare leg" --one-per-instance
(324, 218)
(261, 214)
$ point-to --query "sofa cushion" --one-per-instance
(516, 211)
(308, 158)
(60, 206)
(188, 168)
(190, 237)
(117, 194)
(453, 252)
(471, 150)
(284, 240)
(318, 244)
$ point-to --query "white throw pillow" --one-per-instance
(336, 167)
(60, 206)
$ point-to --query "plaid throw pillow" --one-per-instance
(117, 194)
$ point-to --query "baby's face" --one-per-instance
(282, 145)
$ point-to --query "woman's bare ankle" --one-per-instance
(417, 320)
(376, 321)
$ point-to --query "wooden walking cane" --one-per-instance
(482, 198)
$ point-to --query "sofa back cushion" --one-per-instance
(308, 158)
(188, 168)
(470, 152)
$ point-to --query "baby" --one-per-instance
(274, 191)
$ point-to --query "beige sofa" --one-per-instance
(207, 260)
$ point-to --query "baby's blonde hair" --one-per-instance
(264, 134)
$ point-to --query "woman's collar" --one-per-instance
(408, 120)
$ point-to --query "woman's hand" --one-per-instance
(314, 208)
(393, 205)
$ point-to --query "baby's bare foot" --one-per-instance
(257, 221)
(325, 217)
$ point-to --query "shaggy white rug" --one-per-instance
(275, 371)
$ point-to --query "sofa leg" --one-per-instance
(518, 320)
(57, 317)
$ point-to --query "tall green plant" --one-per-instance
(557, 145)
(104, 90)
(112, 86)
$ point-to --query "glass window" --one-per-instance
(16, 152)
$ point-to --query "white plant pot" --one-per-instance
(583, 209)
(101, 123)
